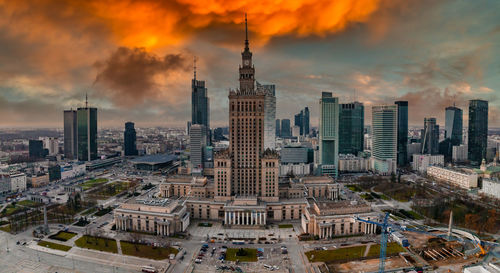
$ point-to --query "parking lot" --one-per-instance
(212, 259)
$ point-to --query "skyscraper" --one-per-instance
(197, 144)
(298, 121)
(129, 139)
(35, 148)
(87, 133)
(246, 169)
(478, 130)
(70, 134)
(329, 133)
(384, 141)
(351, 128)
(286, 130)
(269, 115)
(402, 156)
(200, 103)
(453, 130)
(278, 128)
(430, 137)
(306, 122)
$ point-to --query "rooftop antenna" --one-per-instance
(194, 67)
(246, 32)
(86, 100)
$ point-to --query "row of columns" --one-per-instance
(328, 231)
(244, 218)
(163, 228)
(124, 223)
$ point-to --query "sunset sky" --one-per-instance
(135, 58)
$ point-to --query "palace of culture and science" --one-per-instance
(246, 189)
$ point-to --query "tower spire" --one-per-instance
(246, 32)
(194, 67)
(86, 100)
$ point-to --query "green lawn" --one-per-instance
(354, 188)
(89, 211)
(62, 236)
(251, 255)
(54, 246)
(29, 203)
(285, 226)
(327, 256)
(92, 183)
(103, 211)
(10, 210)
(5, 228)
(392, 248)
(146, 251)
(97, 243)
(204, 224)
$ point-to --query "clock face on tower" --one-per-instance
(246, 62)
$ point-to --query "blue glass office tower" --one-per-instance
(453, 131)
(86, 118)
(351, 128)
(329, 134)
(129, 139)
(200, 104)
(402, 155)
(285, 128)
(478, 131)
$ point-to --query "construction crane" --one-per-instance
(388, 228)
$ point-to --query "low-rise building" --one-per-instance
(491, 188)
(421, 162)
(72, 170)
(454, 177)
(159, 216)
(350, 163)
(38, 180)
(296, 169)
(18, 182)
(332, 218)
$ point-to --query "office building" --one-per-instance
(454, 177)
(129, 140)
(87, 132)
(430, 137)
(459, 154)
(349, 163)
(35, 148)
(421, 162)
(197, 144)
(18, 182)
(70, 134)
(269, 115)
(200, 104)
(402, 133)
(286, 130)
(413, 148)
(278, 128)
(301, 120)
(351, 128)
(329, 133)
(491, 188)
(384, 140)
(51, 144)
(478, 131)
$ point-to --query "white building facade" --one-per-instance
(454, 177)
(491, 188)
(422, 162)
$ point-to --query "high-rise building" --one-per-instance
(200, 103)
(329, 133)
(87, 133)
(478, 130)
(70, 134)
(286, 130)
(453, 131)
(129, 139)
(306, 122)
(384, 141)
(430, 137)
(298, 119)
(35, 148)
(351, 128)
(197, 144)
(278, 128)
(269, 115)
(402, 156)
(246, 169)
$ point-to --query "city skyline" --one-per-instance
(144, 74)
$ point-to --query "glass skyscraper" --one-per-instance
(384, 139)
(453, 130)
(430, 137)
(402, 156)
(285, 128)
(329, 133)
(302, 121)
(70, 134)
(87, 133)
(129, 139)
(351, 128)
(200, 104)
(278, 128)
(269, 115)
(478, 130)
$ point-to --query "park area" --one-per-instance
(241, 254)
(54, 246)
(97, 243)
(93, 183)
(105, 191)
(147, 251)
(63, 236)
(351, 253)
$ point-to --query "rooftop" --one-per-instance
(154, 159)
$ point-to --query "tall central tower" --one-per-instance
(246, 169)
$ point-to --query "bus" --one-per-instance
(149, 269)
(238, 242)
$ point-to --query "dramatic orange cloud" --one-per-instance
(153, 24)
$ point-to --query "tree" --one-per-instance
(393, 178)
(136, 238)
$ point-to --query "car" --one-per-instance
(198, 261)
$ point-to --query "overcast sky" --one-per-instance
(135, 58)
